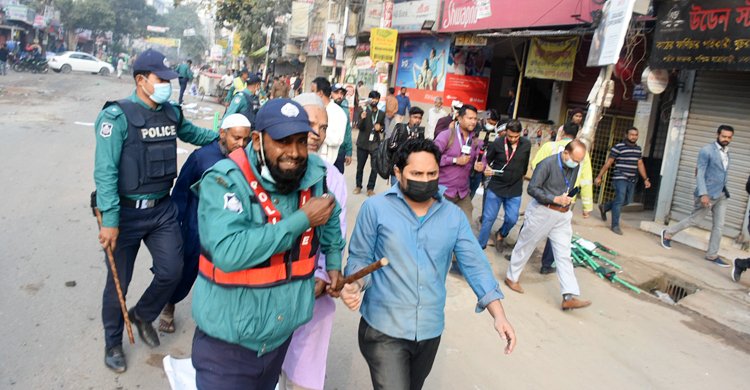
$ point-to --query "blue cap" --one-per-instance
(253, 79)
(280, 118)
(154, 62)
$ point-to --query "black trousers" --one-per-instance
(189, 274)
(396, 364)
(158, 229)
(548, 257)
(183, 86)
(362, 155)
(224, 366)
(340, 159)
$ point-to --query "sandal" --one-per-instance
(166, 320)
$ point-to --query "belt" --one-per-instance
(141, 204)
(557, 208)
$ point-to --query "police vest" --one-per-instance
(148, 163)
(294, 264)
(252, 107)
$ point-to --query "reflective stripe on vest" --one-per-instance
(278, 269)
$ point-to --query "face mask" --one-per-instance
(570, 163)
(489, 127)
(162, 92)
(264, 171)
(420, 191)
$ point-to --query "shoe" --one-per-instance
(498, 243)
(665, 242)
(737, 270)
(507, 257)
(357, 191)
(114, 359)
(602, 213)
(616, 230)
(547, 270)
(515, 286)
(145, 330)
(455, 271)
(718, 261)
(574, 303)
(370, 192)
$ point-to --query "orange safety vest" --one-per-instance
(296, 263)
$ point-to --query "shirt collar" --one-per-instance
(721, 148)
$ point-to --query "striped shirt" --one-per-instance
(626, 161)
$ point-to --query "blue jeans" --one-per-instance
(623, 196)
(492, 203)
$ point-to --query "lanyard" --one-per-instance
(508, 158)
(562, 170)
(460, 138)
(375, 117)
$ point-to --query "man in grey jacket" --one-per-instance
(710, 194)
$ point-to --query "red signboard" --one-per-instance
(468, 89)
(474, 15)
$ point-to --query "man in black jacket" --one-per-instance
(405, 131)
(507, 163)
(371, 127)
(740, 265)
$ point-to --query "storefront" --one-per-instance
(708, 43)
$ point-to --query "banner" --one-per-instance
(383, 44)
(299, 25)
(373, 14)
(423, 63)
(702, 34)
(468, 89)
(315, 45)
(168, 42)
(609, 37)
(333, 46)
(552, 59)
(408, 15)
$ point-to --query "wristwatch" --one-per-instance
(455, 161)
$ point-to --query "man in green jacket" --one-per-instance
(184, 75)
(246, 102)
(263, 214)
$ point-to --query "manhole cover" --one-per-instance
(669, 289)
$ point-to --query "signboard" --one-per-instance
(333, 45)
(168, 42)
(639, 93)
(299, 26)
(19, 12)
(373, 14)
(423, 63)
(383, 44)
(609, 37)
(702, 34)
(477, 15)
(551, 58)
(157, 29)
(387, 14)
(408, 15)
(468, 89)
(39, 21)
(315, 45)
(470, 40)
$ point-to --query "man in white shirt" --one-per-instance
(329, 151)
(433, 115)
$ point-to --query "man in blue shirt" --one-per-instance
(404, 104)
(403, 309)
(234, 134)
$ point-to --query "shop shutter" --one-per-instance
(718, 98)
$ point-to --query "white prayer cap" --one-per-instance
(309, 99)
(235, 120)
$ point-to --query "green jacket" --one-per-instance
(238, 238)
(347, 145)
(109, 148)
(184, 72)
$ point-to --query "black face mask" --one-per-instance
(420, 191)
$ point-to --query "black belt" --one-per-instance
(141, 204)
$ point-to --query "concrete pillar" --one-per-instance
(673, 149)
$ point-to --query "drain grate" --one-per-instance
(675, 288)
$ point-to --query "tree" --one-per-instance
(250, 16)
(185, 17)
(93, 15)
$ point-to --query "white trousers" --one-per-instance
(540, 223)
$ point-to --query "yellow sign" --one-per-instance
(552, 58)
(383, 43)
(470, 40)
(236, 45)
(168, 42)
(222, 42)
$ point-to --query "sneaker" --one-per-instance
(665, 242)
(602, 213)
(616, 230)
(736, 270)
(718, 261)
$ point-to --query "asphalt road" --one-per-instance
(52, 333)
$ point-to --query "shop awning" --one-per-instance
(538, 33)
(260, 52)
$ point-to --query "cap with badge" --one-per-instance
(154, 62)
(338, 87)
(280, 118)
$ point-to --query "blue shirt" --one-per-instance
(186, 201)
(404, 104)
(406, 299)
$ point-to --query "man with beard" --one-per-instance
(263, 215)
(233, 134)
(710, 193)
(336, 131)
(305, 363)
(405, 131)
(370, 129)
(403, 305)
(626, 158)
(338, 94)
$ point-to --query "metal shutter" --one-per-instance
(718, 98)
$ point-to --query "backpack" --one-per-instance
(381, 160)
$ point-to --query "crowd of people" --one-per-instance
(255, 224)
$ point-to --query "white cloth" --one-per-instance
(433, 116)
(329, 151)
(226, 81)
(540, 223)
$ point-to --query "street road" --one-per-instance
(52, 334)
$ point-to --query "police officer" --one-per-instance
(246, 102)
(136, 163)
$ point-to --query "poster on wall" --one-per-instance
(552, 58)
(422, 67)
(333, 46)
(383, 43)
(468, 79)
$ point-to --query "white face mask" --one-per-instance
(489, 127)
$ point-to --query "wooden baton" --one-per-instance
(362, 273)
(113, 268)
